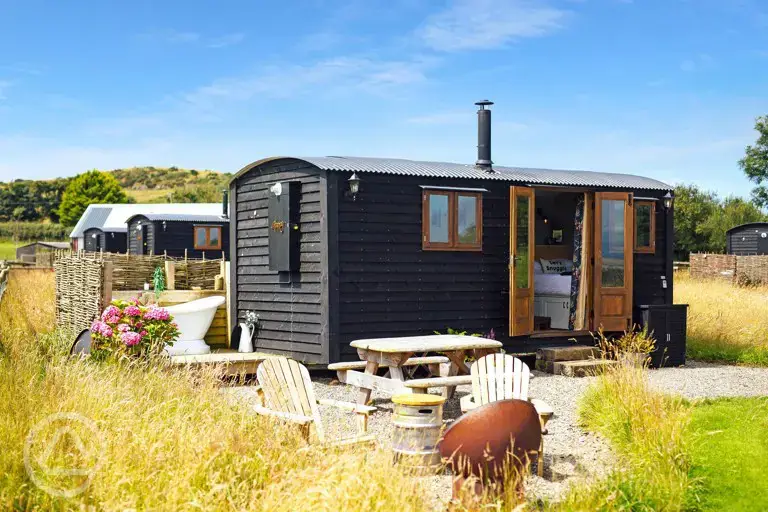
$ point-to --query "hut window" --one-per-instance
(208, 237)
(452, 220)
(645, 232)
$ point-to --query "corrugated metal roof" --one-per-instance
(748, 224)
(52, 245)
(93, 217)
(523, 175)
(516, 174)
(185, 217)
(113, 217)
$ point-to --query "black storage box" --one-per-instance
(668, 324)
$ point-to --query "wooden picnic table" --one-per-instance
(394, 352)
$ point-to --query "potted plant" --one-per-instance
(632, 348)
(128, 328)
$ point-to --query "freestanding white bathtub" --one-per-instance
(193, 318)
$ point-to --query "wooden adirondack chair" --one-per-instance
(502, 377)
(286, 392)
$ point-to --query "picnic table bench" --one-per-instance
(395, 354)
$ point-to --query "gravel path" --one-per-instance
(708, 380)
(571, 455)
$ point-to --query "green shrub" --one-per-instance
(31, 231)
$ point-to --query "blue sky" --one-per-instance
(663, 88)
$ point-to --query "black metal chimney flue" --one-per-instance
(225, 204)
(484, 136)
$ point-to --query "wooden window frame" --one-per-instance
(651, 249)
(453, 243)
(207, 246)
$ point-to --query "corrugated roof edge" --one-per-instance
(529, 176)
(747, 224)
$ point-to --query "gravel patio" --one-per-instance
(571, 454)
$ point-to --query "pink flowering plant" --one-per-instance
(127, 328)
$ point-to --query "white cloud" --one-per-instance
(699, 63)
(226, 40)
(331, 75)
(486, 24)
(442, 118)
(172, 36)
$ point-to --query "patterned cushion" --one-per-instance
(553, 266)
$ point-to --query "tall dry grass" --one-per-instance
(169, 441)
(648, 432)
(726, 323)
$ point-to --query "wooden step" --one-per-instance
(584, 368)
(570, 353)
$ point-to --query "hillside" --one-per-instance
(38, 200)
(172, 184)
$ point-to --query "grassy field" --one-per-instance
(168, 440)
(7, 250)
(648, 432)
(674, 455)
(150, 195)
(730, 453)
(725, 322)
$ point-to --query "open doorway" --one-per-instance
(556, 240)
(571, 261)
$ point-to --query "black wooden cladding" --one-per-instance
(363, 272)
(649, 268)
(107, 241)
(389, 286)
(747, 240)
(293, 316)
(141, 235)
(173, 238)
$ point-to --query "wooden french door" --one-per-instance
(521, 248)
(614, 235)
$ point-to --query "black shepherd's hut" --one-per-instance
(332, 249)
(98, 240)
(748, 239)
(179, 235)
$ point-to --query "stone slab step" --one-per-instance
(585, 368)
(570, 353)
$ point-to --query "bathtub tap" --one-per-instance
(194, 319)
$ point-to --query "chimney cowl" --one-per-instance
(484, 136)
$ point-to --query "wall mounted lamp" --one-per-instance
(354, 186)
(668, 199)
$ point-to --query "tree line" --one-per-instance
(701, 217)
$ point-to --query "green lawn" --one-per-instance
(730, 454)
(7, 250)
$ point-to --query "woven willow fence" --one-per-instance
(5, 269)
(80, 291)
(739, 269)
(131, 271)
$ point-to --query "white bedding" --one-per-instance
(552, 284)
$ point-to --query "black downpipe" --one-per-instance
(225, 204)
(484, 135)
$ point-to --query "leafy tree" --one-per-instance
(92, 187)
(733, 211)
(693, 207)
(755, 162)
(198, 194)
